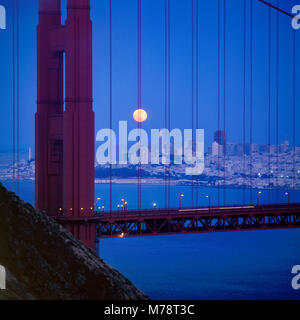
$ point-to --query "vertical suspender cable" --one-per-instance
(269, 103)
(224, 100)
(165, 89)
(14, 98)
(18, 97)
(251, 95)
(277, 97)
(294, 112)
(110, 99)
(244, 105)
(197, 87)
(167, 94)
(140, 197)
(219, 92)
(192, 95)
(139, 93)
(169, 90)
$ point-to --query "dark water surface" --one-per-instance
(233, 265)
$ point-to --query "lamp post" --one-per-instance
(97, 202)
(208, 197)
(288, 195)
(154, 205)
(180, 197)
(124, 203)
(257, 196)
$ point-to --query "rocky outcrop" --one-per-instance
(44, 261)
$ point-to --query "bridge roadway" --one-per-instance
(150, 222)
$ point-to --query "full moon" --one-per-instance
(140, 115)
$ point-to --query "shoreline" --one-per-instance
(159, 181)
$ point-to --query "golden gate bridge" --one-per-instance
(65, 147)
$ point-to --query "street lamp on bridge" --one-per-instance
(288, 195)
(97, 203)
(257, 196)
(124, 205)
(180, 197)
(208, 197)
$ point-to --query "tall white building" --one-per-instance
(217, 149)
(29, 154)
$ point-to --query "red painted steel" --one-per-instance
(190, 220)
(49, 139)
(65, 138)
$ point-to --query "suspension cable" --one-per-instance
(277, 8)
(139, 94)
(219, 92)
(14, 97)
(269, 104)
(165, 89)
(244, 106)
(110, 99)
(18, 97)
(167, 95)
(197, 87)
(193, 44)
(224, 101)
(294, 112)
(277, 97)
(251, 97)
(169, 91)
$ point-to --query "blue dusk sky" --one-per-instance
(125, 68)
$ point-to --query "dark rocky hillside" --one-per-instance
(44, 261)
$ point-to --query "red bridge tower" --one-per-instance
(65, 118)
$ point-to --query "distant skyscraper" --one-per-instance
(297, 150)
(29, 155)
(220, 137)
(264, 148)
(254, 148)
(231, 148)
(209, 149)
(285, 147)
(217, 149)
(273, 149)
